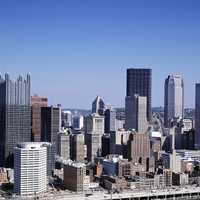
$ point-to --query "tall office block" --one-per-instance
(15, 116)
(36, 104)
(77, 147)
(63, 145)
(197, 116)
(77, 121)
(174, 98)
(66, 118)
(50, 123)
(30, 169)
(98, 106)
(136, 117)
(110, 120)
(139, 82)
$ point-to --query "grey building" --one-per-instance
(136, 118)
(110, 120)
(63, 145)
(77, 142)
(50, 123)
(139, 81)
(174, 99)
(98, 106)
(197, 116)
(15, 116)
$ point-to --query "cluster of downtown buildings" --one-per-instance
(114, 149)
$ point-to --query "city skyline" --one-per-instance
(66, 47)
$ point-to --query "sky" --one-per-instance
(77, 49)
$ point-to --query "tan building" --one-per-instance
(36, 104)
(75, 178)
(139, 149)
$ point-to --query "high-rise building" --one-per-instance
(75, 178)
(36, 104)
(78, 121)
(136, 117)
(174, 99)
(110, 120)
(139, 82)
(15, 116)
(30, 169)
(50, 123)
(77, 147)
(197, 116)
(98, 106)
(139, 149)
(66, 118)
(63, 145)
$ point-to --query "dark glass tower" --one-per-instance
(197, 116)
(139, 82)
(15, 116)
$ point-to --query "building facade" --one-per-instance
(197, 116)
(174, 99)
(98, 106)
(139, 81)
(30, 169)
(15, 116)
(110, 120)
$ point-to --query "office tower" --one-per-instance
(98, 106)
(75, 178)
(15, 116)
(66, 118)
(78, 121)
(94, 124)
(139, 82)
(174, 99)
(105, 145)
(63, 145)
(94, 130)
(36, 104)
(110, 120)
(136, 118)
(139, 149)
(77, 147)
(30, 169)
(197, 116)
(50, 123)
(51, 154)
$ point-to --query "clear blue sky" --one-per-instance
(75, 50)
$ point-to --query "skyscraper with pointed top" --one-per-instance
(98, 106)
(15, 116)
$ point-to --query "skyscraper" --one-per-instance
(139, 82)
(50, 123)
(30, 169)
(98, 106)
(15, 116)
(174, 99)
(110, 120)
(197, 116)
(36, 104)
(136, 115)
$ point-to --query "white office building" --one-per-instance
(30, 169)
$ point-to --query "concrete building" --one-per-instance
(77, 147)
(75, 178)
(136, 110)
(66, 118)
(36, 104)
(197, 116)
(15, 117)
(110, 120)
(174, 99)
(50, 123)
(78, 121)
(98, 106)
(139, 82)
(63, 145)
(30, 169)
(139, 149)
